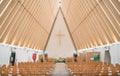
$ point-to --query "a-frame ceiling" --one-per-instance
(28, 23)
(93, 22)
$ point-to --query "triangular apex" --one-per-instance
(60, 43)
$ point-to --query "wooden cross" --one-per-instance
(60, 35)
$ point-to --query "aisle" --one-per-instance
(60, 70)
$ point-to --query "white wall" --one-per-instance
(102, 53)
(96, 49)
(22, 54)
(39, 53)
(4, 55)
(30, 53)
(114, 50)
(115, 53)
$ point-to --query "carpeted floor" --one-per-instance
(60, 70)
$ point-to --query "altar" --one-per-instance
(60, 60)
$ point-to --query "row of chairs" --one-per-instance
(93, 68)
(27, 69)
(83, 57)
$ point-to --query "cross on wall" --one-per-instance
(60, 36)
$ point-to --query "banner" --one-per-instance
(34, 57)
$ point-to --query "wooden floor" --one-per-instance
(60, 70)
